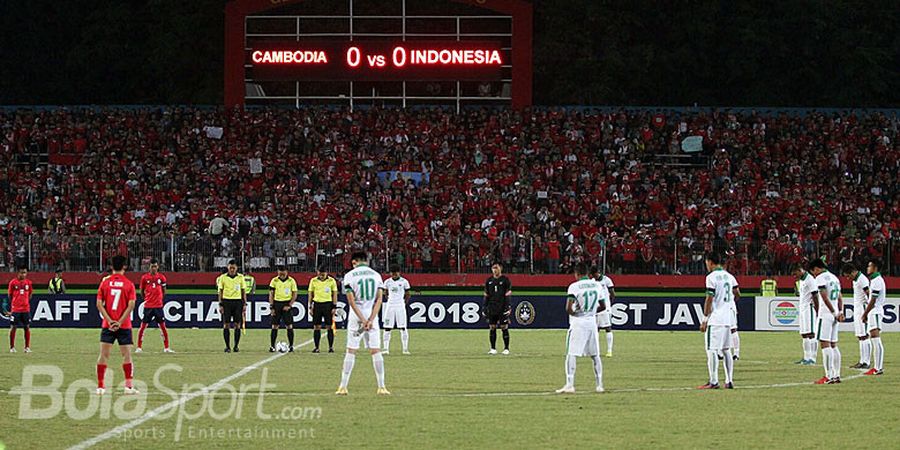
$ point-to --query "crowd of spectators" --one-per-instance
(436, 190)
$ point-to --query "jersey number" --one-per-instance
(728, 294)
(590, 300)
(366, 289)
(833, 295)
(117, 294)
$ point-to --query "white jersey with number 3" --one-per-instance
(720, 285)
(364, 283)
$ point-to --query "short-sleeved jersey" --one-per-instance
(860, 291)
(396, 290)
(808, 289)
(878, 292)
(115, 292)
(283, 289)
(152, 287)
(607, 284)
(231, 287)
(586, 295)
(322, 290)
(364, 283)
(20, 295)
(496, 289)
(720, 285)
(832, 286)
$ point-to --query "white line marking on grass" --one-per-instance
(176, 403)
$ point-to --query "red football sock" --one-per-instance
(128, 369)
(101, 374)
(141, 335)
(12, 338)
(165, 334)
(28, 338)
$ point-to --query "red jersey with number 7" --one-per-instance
(115, 292)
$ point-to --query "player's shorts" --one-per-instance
(860, 328)
(153, 314)
(322, 313)
(875, 321)
(603, 319)
(827, 329)
(582, 339)
(20, 319)
(498, 316)
(394, 316)
(232, 311)
(734, 322)
(280, 316)
(355, 333)
(718, 337)
(122, 336)
(806, 318)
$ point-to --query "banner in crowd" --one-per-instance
(782, 314)
(418, 178)
(424, 311)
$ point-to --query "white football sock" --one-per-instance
(729, 366)
(836, 362)
(598, 370)
(826, 361)
(378, 364)
(349, 360)
(609, 342)
(712, 363)
(387, 340)
(736, 343)
(863, 347)
(813, 349)
(805, 343)
(404, 339)
(878, 349)
(869, 349)
(570, 370)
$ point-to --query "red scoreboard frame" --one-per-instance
(439, 60)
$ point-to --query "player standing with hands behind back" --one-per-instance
(20, 290)
(115, 301)
(497, 291)
(721, 291)
(232, 304)
(831, 307)
(584, 301)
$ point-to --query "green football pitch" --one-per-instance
(448, 393)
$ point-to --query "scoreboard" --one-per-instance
(376, 60)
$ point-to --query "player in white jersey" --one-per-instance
(721, 290)
(831, 307)
(860, 284)
(394, 315)
(874, 315)
(583, 301)
(604, 318)
(363, 287)
(808, 291)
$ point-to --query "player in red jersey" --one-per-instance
(115, 301)
(153, 287)
(20, 290)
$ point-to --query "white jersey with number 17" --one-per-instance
(364, 283)
(586, 296)
(719, 285)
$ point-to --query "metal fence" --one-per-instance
(442, 254)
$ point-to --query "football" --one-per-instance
(282, 347)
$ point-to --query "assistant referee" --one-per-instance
(323, 293)
(232, 304)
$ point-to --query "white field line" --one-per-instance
(117, 431)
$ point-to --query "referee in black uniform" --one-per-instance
(497, 291)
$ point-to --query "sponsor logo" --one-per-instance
(525, 313)
(785, 312)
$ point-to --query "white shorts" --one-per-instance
(603, 319)
(860, 328)
(807, 320)
(718, 337)
(734, 321)
(394, 316)
(827, 329)
(582, 339)
(355, 333)
(875, 321)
